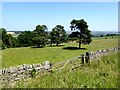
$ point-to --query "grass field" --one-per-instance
(101, 73)
(27, 55)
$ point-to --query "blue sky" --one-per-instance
(100, 16)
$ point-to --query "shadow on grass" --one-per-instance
(47, 46)
(36, 47)
(74, 48)
(56, 46)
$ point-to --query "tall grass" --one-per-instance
(101, 73)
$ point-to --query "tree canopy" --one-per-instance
(82, 33)
(7, 39)
(58, 35)
(25, 38)
(40, 36)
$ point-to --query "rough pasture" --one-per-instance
(102, 73)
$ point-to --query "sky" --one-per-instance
(21, 16)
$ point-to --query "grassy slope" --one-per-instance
(17, 56)
(100, 74)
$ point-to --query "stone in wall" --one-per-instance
(47, 65)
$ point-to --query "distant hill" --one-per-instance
(98, 33)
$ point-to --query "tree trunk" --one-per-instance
(57, 43)
(51, 43)
(79, 44)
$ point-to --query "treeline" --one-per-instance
(37, 38)
(40, 36)
(109, 35)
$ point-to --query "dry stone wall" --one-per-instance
(96, 55)
(89, 56)
(23, 71)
